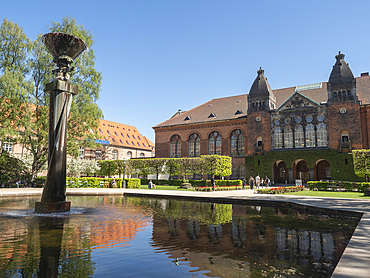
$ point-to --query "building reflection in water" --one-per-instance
(217, 239)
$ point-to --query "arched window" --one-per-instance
(237, 143)
(344, 136)
(142, 155)
(129, 155)
(259, 141)
(310, 136)
(233, 172)
(322, 137)
(288, 137)
(214, 143)
(175, 146)
(115, 155)
(194, 145)
(278, 138)
(241, 172)
(299, 136)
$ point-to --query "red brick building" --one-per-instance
(292, 133)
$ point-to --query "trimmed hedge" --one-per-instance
(92, 182)
(194, 183)
(338, 185)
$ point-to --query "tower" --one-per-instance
(261, 97)
(342, 84)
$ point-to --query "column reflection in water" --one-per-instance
(51, 235)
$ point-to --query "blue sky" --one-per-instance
(160, 56)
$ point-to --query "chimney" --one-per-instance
(364, 74)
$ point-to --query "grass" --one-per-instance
(334, 194)
(165, 187)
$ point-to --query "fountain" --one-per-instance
(64, 48)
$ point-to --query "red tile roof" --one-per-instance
(226, 108)
(123, 135)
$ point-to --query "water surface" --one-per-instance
(143, 237)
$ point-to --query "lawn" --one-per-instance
(165, 187)
(355, 195)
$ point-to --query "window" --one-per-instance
(115, 155)
(122, 134)
(133, 143)
(138, 143)
(116, 133)
(214, 143)
(127, 142)
(175, 146)
(322, 139)
(310, 136)
(7, 146)
(113, 140)
(299, 136)
(278, 138)
(344, 135)
(288, 137)
(100, 131)
(139, 138)
(241, 172)
(98, 155)
(194, 145)
(108, 132)
(259, 141)
(142, 155)
(233, 172)
(133, 136)
(128, 155)
(82, 152)
(237, 143)
(144, 145)
(128, 135)
(121, 141)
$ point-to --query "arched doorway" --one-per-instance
(322, 170)
(300, 170)
(280, 171)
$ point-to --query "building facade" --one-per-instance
(297, 133)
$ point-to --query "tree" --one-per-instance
(14, 88)
(361, 162)
(171, 167)
(157, 165)
(218, 165)
(12, 169)
(24, 103)
(89, 167)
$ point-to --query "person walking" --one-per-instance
(244, 182)
(258, 181)
(150, 185)
(251, 182)
(213, 183)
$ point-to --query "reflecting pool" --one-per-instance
(146, 237)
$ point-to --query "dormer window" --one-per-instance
(187, 118)
(238, 112)
(211, 115)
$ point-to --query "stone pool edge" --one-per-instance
(355, 261)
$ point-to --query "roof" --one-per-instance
(226, 108)
(341, 73)
(215, 110)
(122, 135)
(260, 86)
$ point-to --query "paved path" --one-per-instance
(355, 261)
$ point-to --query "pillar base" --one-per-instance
(49, 207)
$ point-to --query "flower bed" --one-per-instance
(221, 188)
(280, 190)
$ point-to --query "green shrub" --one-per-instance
(362, 186)
(132, 183)
(319, 185)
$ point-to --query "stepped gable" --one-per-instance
(363, 89)
(215, 110)
(341, 73)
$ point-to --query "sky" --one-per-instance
(158, 56)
